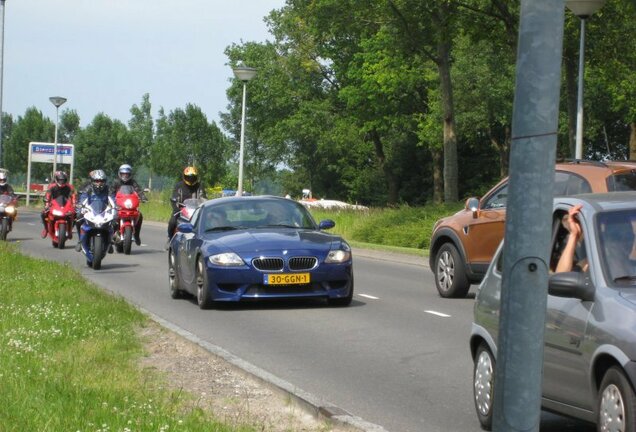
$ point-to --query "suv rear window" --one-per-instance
(566, 184)
(622, 182)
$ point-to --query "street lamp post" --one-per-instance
(1, 70)
(583, 9)
(245, 74)
(58, 101)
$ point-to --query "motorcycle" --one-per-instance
(187, 208)
(96, 232)
(127, 202)
(60, 221)
(8, 214)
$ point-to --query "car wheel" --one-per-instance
(173, 277)
(450, 274)
(484, 385)
(616, 404)
(203, 289)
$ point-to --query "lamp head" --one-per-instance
(244, 73)
(58, 101)
(584, 8)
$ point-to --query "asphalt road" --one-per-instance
(397, 357)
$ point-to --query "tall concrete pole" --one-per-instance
(517, 404)
(1, 74)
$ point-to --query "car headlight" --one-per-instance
(228, 259)
(338, 256)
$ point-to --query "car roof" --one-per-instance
(602, 201)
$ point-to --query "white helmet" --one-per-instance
(3, 178)
(125, 172)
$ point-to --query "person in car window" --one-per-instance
(568, 260)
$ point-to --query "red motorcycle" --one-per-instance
(127, 202)
(59, 221)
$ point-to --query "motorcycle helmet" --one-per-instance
(3, 178)
(60, 178)
(98, 180)
(125, 172)
(191, 176)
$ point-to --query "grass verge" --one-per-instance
(69, 358)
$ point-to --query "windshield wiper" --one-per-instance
(281, 226)
(222, 228)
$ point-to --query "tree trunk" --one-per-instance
(450, 139)
(438, 182)
(632, 141)
(391, 181)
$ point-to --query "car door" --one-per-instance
(483, 234)
(565, 373)
(187, 246)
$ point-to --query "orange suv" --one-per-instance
(463, 244)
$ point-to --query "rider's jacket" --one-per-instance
(6, 189)
(117, 183)
(182, 192)
(54, 191)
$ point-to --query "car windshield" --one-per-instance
(616, 235)
(622, 182)
(256, 213)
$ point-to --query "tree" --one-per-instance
(104, 144)
(142, 129)
(32, 127)
(184, 137)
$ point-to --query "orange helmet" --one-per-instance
(191, 176)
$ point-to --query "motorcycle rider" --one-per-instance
(125, 178)
(97, 186)
(60, 187)
(5, 187)
(188, 187)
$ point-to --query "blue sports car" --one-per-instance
(251, 248)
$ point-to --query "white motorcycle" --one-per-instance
(96, 233)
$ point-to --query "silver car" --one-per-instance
(589, 364)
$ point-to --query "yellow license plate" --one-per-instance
(286, 279)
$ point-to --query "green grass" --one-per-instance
(69, 358)
(402, 228)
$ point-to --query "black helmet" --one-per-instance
(60, 178)
(98, 180)
(125, 172)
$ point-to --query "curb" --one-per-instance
(315, 406)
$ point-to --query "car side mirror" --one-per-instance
(472, 204)
(573, 284)
(326, 224)
(185, 228)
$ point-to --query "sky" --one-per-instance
(104, 55)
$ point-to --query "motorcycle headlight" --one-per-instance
(228, 259)
(128, 204)
(10, 210)
(57, 213)
(338, 256)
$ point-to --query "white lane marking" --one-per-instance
(443, 315)
(369, 296)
